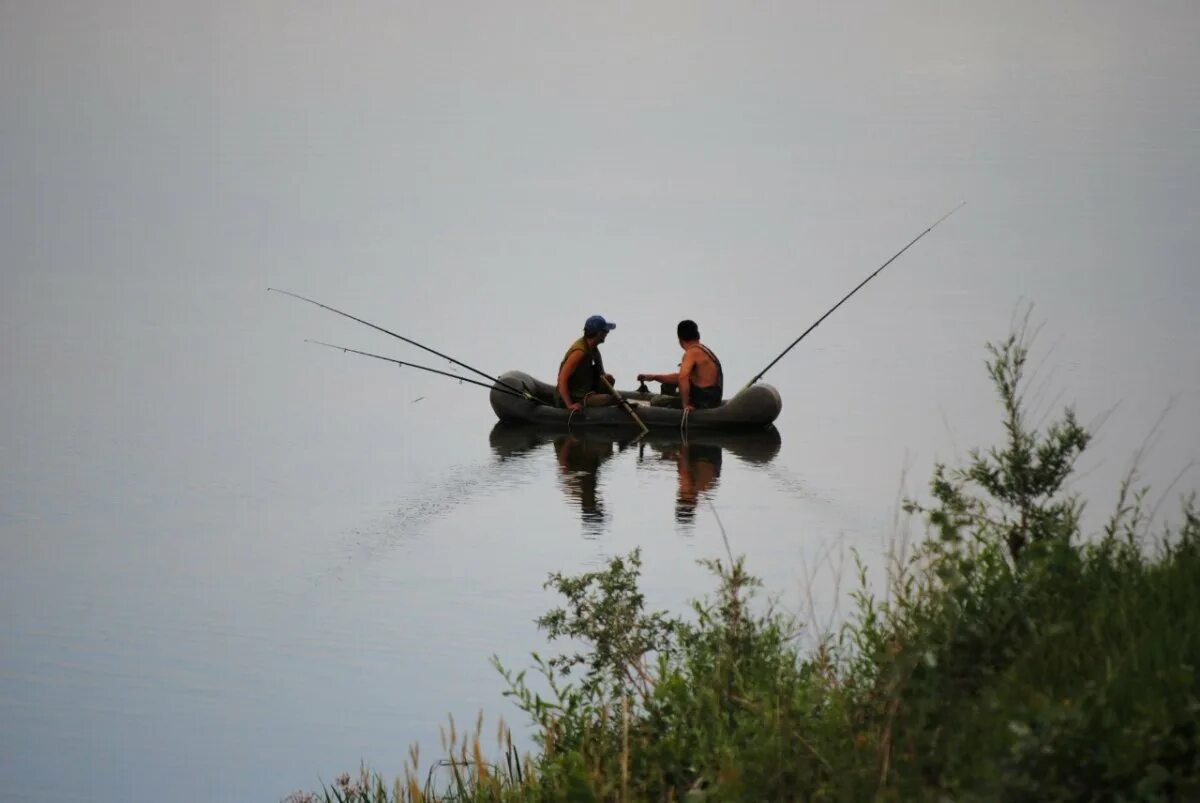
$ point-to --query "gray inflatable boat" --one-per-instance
(754, 408)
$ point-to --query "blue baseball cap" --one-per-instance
(596, 323)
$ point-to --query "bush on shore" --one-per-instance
(1009, 660)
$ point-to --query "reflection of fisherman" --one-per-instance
(581, 372)
(699, 466)
(578, 461)
(700, 378)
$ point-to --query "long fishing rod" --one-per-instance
(414, 365)
(759, 375)
(518, 391)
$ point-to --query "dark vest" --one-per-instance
(709, 396)
(586, 377)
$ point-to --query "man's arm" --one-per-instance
(564, 373)
(671, 379)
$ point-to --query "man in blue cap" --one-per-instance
(581, 373)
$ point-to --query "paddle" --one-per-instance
(626, 406)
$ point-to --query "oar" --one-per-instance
(502, 389)
(626, 406)
(524, 393)
(759, 375)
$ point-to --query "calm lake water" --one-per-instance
(230, 593)
(233, 564)
(233, 639)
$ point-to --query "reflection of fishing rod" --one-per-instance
(847, 296)
(422, 367)
(522, 393)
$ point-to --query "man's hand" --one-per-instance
(645, 377)
(610, 379)
(574, 407)
(687, 408)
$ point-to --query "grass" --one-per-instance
(1010, 659)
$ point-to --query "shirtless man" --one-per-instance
(581, 373)
(700, 378)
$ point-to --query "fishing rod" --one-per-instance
(913, 242)
(414, 365)
(524, 394)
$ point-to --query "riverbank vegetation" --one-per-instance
(1009, 658)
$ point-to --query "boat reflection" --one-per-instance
(697, 459)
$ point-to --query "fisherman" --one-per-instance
(700, 379)
(581, 377)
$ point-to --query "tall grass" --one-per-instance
(1009, 660)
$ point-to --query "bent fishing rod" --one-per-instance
(403, 364)
(846, 297)
(524, 394)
